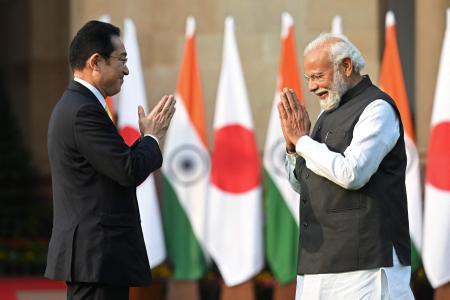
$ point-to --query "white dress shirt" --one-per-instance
(374, 136)
(101, 99)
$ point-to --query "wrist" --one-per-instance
(290, 149)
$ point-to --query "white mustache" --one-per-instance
(321, 90)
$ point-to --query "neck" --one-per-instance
(88, 78)
(354, 79)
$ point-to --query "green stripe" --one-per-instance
(183, 249)
(281, 234)
(416, 261)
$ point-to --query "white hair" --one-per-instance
(340, 49)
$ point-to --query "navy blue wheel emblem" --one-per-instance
(188, 164)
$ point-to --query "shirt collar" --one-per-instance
(93, 89)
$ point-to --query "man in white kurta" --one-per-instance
(332, 66)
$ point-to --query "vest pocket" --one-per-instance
(336, 140)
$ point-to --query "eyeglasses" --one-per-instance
(314, 77)
(122, 59)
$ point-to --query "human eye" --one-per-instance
(317, 77)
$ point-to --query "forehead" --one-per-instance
(118, 46)
(317, 60)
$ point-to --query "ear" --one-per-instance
(347, 66)
(93, 61)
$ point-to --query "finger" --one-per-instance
(168, 104)
(285, 103)
(290, 99)
(294, 95)
(171, 114)
(305, 111)
(281, 111)
(160, 105)
(141, 112)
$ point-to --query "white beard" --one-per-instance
(338, 88)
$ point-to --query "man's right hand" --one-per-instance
(157, 121)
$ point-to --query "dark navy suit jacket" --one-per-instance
(97, 235)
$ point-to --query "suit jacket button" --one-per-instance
(305, 224)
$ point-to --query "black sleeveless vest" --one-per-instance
(347, 230)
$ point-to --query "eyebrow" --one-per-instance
(315, 74)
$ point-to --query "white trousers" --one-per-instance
(377, 284)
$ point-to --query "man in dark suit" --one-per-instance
(97, 244)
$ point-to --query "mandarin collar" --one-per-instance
(356, 90)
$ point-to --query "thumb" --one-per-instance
(141, 112)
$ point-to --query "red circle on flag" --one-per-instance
(438, 161)
(235, 160)
(129, 134)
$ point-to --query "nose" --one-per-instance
(125, 70)
(312, 85)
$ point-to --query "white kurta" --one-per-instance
(374, 136)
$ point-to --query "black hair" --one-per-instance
(93, 37)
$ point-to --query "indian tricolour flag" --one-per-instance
(131, 96)
(436, 242)
(186, 170)
(281, 201)
(234, 218)
(391, 81)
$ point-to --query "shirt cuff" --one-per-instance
(291, 157)
(302, 144)
(152, 136)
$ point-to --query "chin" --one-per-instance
(330, 103)
(116, 91)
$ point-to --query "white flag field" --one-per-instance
(436, 234)
(234, 214)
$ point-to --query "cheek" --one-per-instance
(328, 84)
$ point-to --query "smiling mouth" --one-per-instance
(322, 95)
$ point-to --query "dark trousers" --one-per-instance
(95, 291)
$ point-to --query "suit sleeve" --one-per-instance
(99, 142)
